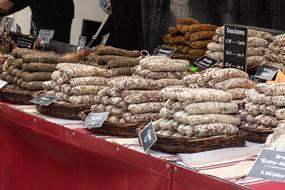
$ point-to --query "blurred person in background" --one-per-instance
(46, 14)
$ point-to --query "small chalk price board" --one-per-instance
(95, 120)
(235, 47)
(23, 41)
(81, 42)
(266, 72)
(164, 51)
(43, 39)
(43, 100)
(205, 62)
(269, 165)
(148, 136)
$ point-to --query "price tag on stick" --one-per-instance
(43, 100)
(205, 62)
(164, 51)
(148, 136)
(95, 120)
(266, 72)
(81, 42)
(235, 47)
(269, 165)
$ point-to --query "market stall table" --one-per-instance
(37, 152)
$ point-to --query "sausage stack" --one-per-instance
(117, 60)
(257, 44)
(197, 113)
(87, 83)
(28, 69)
(265, 107)
(136, 99)
(233, 81)
(276, 55)
(76, 83)
(190, 37)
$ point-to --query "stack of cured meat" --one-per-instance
(197, 113)
(257, 46)
(81, 85)
(195, 120)
(28, 69)
(264, 110)
(276, 55)
(233, 81)
(190, 38)
(136, 99)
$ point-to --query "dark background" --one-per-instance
(261, 13)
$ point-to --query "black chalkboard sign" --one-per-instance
(164, 51)
(235, 47)
(266, 72)
(95, 120)
(148, 136)
(269, 165)
(43, 100)
(205, 62)
(23, 41)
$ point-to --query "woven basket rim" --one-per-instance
(214, 138)
(258, 130)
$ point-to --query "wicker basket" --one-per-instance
(188, 145)
(257, 135)
(20, 97)
(121, 130)
(63, 110)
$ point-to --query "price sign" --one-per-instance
(81, 42)
(44, 38)
(148, 136)
(23, 41)
(205, 62)
(269, 165)
(3, 84)
(235, 47)
(43, 100)
(164, 51)
(266, 72)
(95, 120)
(8, 24)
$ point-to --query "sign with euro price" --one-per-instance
(235, 47)
(165, 51)
(95, 120)
(43, 100)
(266, 72)
(269, 165)
(148, 136)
